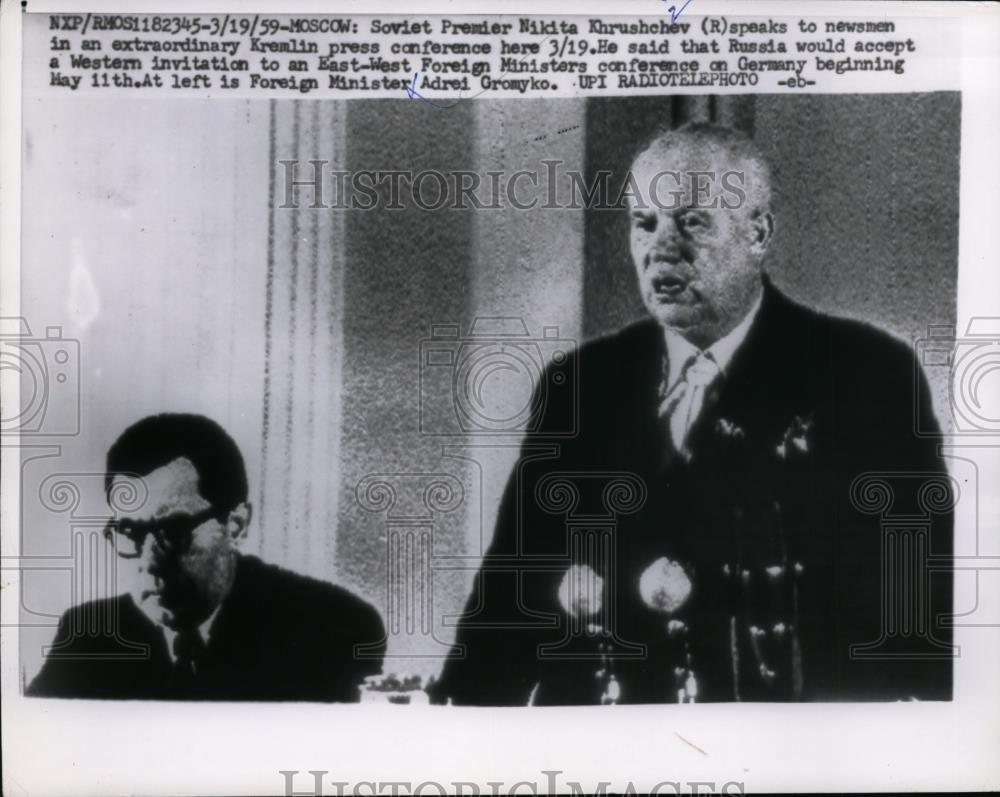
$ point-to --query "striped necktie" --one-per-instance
(682, 403)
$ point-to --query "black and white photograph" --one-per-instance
(458, 401)
(687, 374)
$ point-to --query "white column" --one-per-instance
(303, 344)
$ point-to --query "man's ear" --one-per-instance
(238, 520)
(762, 231)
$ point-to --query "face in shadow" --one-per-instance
(178, 551)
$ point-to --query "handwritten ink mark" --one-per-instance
(413, 94)
(544, 136)
(689, 743)
(674, 12)
(411, 88)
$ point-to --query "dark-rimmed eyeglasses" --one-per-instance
(172, 534)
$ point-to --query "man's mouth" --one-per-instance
(156, 590)
(152, 595)
(668, 287)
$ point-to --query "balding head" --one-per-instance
(739, 171)
(701, 224)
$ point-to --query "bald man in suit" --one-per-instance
(753, 569)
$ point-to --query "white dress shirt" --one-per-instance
(679, 353)
(205, 630)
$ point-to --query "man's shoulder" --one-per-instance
(626, 353)
(102, 614)
(790, 318)
(95, 639)
(96, 608)
(642, 335)
(284, 589)
(850, 340)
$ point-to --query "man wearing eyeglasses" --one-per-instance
(200, 621)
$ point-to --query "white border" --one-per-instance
(78, 747)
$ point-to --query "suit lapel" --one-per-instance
(234, 631)
(131, 627)
(639, 437)
(757, 391)
(758, 394)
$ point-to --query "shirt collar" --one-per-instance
(205, 629)
(680, 350)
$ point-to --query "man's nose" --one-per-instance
(152, 556)
(667, 226)
(667, 245)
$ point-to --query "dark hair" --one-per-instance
(158, 440)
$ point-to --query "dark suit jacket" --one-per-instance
(735, 506)
(277, 636)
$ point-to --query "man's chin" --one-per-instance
(158, 613)
(676, 317)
